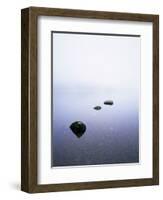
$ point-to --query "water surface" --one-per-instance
(112, 134)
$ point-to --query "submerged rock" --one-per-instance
(97, 107)
(78, 128)
(108, 102)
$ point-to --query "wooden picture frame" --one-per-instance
(29, 97)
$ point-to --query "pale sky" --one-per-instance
(96, 61)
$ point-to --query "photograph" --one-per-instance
(95, 98)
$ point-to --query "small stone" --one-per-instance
(78, 128)
(97, 107)
(108, 102)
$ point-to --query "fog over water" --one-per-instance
(87, 70)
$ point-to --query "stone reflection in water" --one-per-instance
(97, 107)
(78, 128)
(108, 102)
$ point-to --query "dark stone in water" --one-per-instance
(108, 102)
(97, 107)
(78, 128)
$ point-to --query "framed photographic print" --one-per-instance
(90, 99)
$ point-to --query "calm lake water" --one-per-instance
(112, 134)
